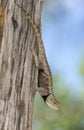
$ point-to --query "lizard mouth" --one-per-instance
(52, 102)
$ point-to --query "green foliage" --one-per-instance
(71, 115)
(81, 67)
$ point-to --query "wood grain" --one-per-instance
(17, 66)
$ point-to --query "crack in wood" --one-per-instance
(15, 23)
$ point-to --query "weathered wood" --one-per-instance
(17, 66)
(1, 22)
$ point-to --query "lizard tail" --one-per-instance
(37, 32)
(52, 102)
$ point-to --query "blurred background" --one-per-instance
(63, 36)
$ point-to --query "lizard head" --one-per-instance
(52, 102)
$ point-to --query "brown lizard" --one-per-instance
(45, 86)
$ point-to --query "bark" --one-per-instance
(17, 66)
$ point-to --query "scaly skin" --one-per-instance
(44, 73)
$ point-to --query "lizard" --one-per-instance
(45, 85)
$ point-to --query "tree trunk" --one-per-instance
(17, 66)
